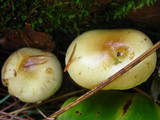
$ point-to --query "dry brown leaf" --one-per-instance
(148, 15)
(27, 37)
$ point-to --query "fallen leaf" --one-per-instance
(148, 15)
(27, 37)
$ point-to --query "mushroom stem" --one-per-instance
(109, 80)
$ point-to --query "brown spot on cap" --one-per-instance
(131, 55)
(15, 73)
(21, 91)
(5, 82)
(49, 70)
(118, 54)
(79, 73)
(135, 76)
(115, 48)
(148, 64)
(145, 39)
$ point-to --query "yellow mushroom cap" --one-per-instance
(101, 53)
(32, 75)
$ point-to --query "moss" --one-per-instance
(68, 16)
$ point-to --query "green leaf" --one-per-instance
(112, 105)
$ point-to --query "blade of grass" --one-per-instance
(47, 101)
(5, 98)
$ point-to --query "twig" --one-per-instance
(108, 81)
(5, 119)
(145, 94)
(142, 92)
(9, 106)
(49, 100)
(10, 115)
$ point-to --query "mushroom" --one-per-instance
(32, 75)
(96, 55)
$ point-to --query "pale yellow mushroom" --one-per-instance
(32, 75)
(101, 53)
